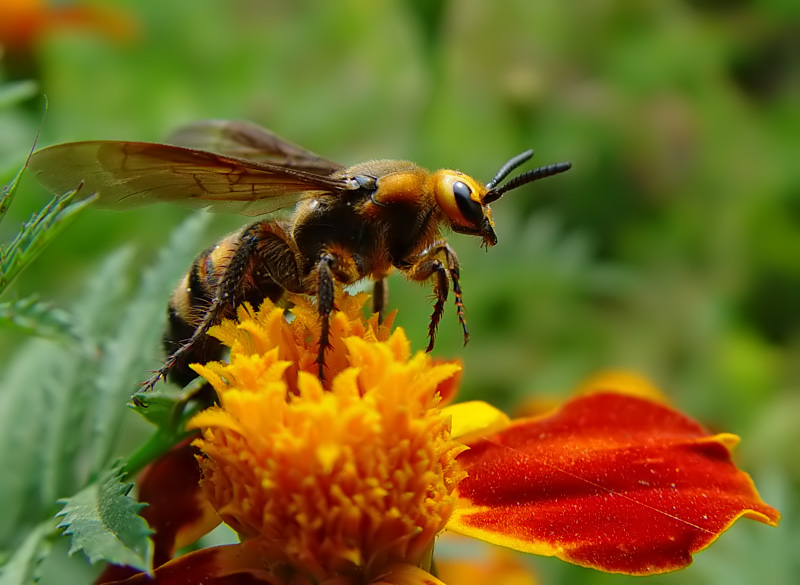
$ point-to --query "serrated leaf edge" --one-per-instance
(117, 474)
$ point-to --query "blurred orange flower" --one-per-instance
(24, 23)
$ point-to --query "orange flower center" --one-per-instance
(336, 481)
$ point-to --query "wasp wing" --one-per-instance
(132, 174)
(248, 141)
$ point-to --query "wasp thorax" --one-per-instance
(459, 196)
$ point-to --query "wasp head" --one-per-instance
(466, 201)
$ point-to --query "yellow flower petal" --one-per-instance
(475, 417)
(623, 381)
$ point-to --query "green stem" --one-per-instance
(159, 443)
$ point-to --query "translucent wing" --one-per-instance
(131, 174)
(248, 141)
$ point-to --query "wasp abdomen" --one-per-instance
(189, 300)
(256, 263)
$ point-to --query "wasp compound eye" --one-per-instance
(469, 208)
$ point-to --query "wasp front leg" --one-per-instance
(427, 265)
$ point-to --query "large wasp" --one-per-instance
(347, 223)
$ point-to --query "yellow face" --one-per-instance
(461, 198)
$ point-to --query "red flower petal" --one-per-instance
(236, 564)
(177, 508)
(610, 481)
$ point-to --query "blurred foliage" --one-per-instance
(670, 248)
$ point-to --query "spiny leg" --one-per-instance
(428, 265)
(423, 270)
(325, 302)
(224, 302)
(455, 275)
(336, 263)
(211, 318)
(441, 290)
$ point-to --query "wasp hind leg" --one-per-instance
(189, 301)
(223, 302)
(263, 265)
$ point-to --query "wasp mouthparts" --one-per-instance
(487, 231)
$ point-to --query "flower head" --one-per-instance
(330, 482)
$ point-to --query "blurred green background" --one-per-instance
(672, 247)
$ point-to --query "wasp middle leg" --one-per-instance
(334, 264)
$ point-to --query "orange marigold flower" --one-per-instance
(331, 482)
(349, 482)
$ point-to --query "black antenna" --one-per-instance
(508, 167)
(527, 177)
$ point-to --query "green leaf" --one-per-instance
(37, 232)
(159, 443)
(97, 311)
(46, 406)
(38, 318)
(7, 195)
(96, 316)
(131, 354)
(24, 415)
(61, 405)
(22, 567)
(105, 524)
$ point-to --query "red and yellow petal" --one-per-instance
(622, 382)
(473, 417)
(617, 381)
(610, 481)
(236, 564)
(448, 388)
(176, 509)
